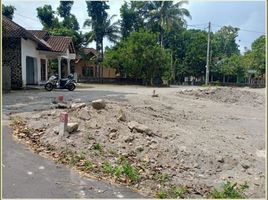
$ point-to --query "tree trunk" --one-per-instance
(223, 79)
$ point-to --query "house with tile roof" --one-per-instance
(88, 70)
(26, 54)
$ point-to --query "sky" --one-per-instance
(249, 16)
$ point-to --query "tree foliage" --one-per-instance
(255, 58)
(69, 25)
(139, 56)
(8, 11)
(101, 25)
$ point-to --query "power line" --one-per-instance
(241, 29)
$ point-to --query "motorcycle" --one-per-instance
(55, 83)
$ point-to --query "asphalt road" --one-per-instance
(28, 175)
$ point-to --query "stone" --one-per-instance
(113, 135)
(245, 165)
(78, 105)
(84, 114)
(139, 148)
(138, 127)
(72, 127)
(62, 105)
(220, 159)
(122, 117)
(98, 104)
(128, 139)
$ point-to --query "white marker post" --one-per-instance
(63, 123)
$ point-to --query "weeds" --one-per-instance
(229, 191)
(162, 177)
(172, 193)
(88, 165)
(97, 147)
(123, 169)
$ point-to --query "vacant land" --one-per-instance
(190, 138)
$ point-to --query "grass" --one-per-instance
(121, 170)
(88, 165)
(97, 147)
(172, 193)
(229, 191)
(162, 177)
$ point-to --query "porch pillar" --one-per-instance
(59, 67)
(46, 69)
(68, 66)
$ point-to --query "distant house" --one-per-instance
(86, 66)
(26, 54)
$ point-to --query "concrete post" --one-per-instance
(68, 66)
(63, 123)
(59, 67)
(46, 69)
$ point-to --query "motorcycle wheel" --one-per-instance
(48, 86)
(71, 87)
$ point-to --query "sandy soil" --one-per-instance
(197, 138)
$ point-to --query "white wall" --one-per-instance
(28, 48)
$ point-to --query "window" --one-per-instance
(87, 71)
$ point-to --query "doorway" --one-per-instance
(30, 70)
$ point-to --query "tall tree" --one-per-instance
(164, 14)
(139, 56)
(69, 20)
(131, 15)
(100, 24)
(47, 18)
(255, 58)
(69, 26)
(8, 11)
(224, 42)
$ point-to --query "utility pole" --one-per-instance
(208, 55)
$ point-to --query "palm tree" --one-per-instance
(107, 30)
(165, 14)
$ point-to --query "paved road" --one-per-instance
(28, 175)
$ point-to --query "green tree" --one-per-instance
(255, 58)
(232, 66)
(8, 11)
(165, 14)
(97, 15)
(224, 42)
(69, 20)
(139, 56)
(47, 18)
(107, 29)
(69, 26)
(131, 17)
(195, 52)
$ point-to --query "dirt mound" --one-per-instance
(226, 95)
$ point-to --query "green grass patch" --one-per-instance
(121, 170)
(97, 147)
(229, 191)
(162, 177)
(172, 193)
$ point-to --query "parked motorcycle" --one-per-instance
(65, 83)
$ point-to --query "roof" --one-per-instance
(90, 50)
(87, 51)
(12, 29)
(43, 38)
(40, 34)
(61, 43)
